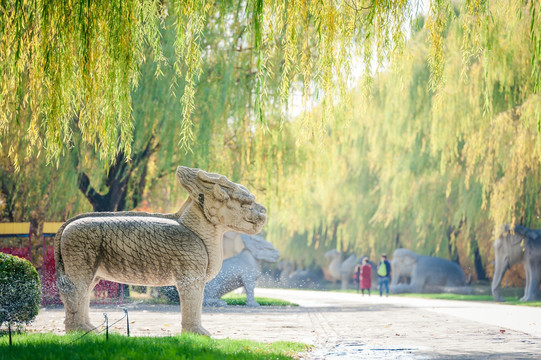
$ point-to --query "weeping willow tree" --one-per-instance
(430, 168)
(223, 128)
(133, 84)
(76, 62)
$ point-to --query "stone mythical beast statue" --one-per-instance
(340, 269)
(182, 249)
(241, 270)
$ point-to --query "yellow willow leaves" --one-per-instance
(192, 16)
(439, 169)
(74, 63)
(436, 22)
(506, 157)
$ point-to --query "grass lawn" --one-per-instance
(230, 299)
(511, 300)
(186, 346)
(233, 299)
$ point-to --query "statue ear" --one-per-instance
(199, 184)
(219, 193)
(187, 178)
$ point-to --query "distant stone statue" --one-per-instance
(340, 269)
(232, 244)
(241, 270)
(182, 249)
(425, 273)
(305, 279)
(346, 270)
(286, 268)
(334, 261)
(514, 245)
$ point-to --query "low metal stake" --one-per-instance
(106, 327)
(127, 321)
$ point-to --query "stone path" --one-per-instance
(350, 326)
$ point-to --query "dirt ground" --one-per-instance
(349, 326)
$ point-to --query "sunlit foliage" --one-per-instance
(431, 168)
(75, 63)
(446, 145)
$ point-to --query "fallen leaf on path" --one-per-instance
(502, 331)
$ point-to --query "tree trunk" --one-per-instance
(37, 220)
(117, 181)
(477, 260)
(451, 245)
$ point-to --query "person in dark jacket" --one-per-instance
(357, 276)
(384, 275)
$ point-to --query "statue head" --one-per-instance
(332, 255)
(404, 259)
(261, 249)
(223, 202)
(508, 245)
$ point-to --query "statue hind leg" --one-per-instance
(86, 306)
(75, 294)
(249, 285)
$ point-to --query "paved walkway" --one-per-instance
(350, 326)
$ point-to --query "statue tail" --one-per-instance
(63, 283)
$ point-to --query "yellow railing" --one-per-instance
(22, 228)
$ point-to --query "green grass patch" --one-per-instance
(234, 299)
(186, 346)
(511, 300)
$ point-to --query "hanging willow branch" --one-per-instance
(62, 60)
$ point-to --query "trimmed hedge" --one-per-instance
(20, 290)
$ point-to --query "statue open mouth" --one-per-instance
(257, 215)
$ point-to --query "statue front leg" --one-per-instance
(533, 278)
(191, 304)
(528, 274)
(249, 285)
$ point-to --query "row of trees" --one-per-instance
(438, 148)
(433, 171)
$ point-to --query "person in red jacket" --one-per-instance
(366, 276)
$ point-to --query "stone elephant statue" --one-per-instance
(514, 245)
(425, 273)
(303, 278)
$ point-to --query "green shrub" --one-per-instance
(20, 290)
